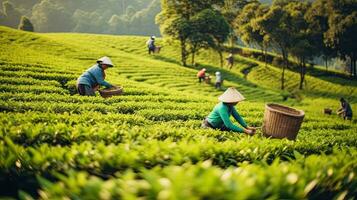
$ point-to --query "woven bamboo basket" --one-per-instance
(281, 121)
(106, 93)
(328, 111)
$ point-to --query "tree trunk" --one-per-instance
(265, 56)
(355, 68)
(232, 41)
(193, 57)
(351, 66)
(326, 63)
(183, 52)
(221, 57)
(353, 62)
(302, 73)
(284, 66)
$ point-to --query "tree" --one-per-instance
(276, 25)
(197, 37)
(304, 48)
(143, 21)
(210, 30)
(48, 16)
(317, 18)
(12, 15)
(89, 22)
(24, 4)
(174, 19)
(219, 29)
(2, 18)
(230, 10)
(341, 34)
(25, 24)
(247, 29)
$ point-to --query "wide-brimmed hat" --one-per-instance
(231, 95)
(106, 60)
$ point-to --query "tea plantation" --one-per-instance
(147, 143)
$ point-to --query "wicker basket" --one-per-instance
(281, 121)
(328, 111)
(106, 93)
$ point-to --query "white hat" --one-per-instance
(218, 73)
(153, 36)
(204, 69)
(231, 95)
(106, 60)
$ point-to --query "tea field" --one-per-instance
(147, 143)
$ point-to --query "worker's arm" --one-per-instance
(341, 110)
(239, 119)
(100, 80)
(227, 122)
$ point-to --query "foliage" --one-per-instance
(342, 29)
(148, 142)
(11, 16)
(109, 16)
(25, 24)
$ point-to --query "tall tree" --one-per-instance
(247, 29)
(12, 15)
(276, 25)
(2, 18)
(230, 10)
(25, 24)
(317, 18)
(342, 32)
(212, 30)
(49, 16)
(304, 48)
(174, 19)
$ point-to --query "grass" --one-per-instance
(148, 142)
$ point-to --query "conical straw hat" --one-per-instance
(231, 95)
(106, 60)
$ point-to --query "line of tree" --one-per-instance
(298, 29)
(131, 17)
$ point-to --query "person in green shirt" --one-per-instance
(219, 117)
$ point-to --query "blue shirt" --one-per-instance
(220, 116)
(93, 76)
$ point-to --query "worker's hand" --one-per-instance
(249, 132)
(251, 128)
(95, 88)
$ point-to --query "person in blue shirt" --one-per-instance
(151, 44)
(94, 77)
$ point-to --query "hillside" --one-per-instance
(148, 142)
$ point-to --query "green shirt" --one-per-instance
(220, 116)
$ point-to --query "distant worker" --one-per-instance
(345, 111)
(219, 80)
(230, 61)
(151, 44)
(201, 75)
(94, 77)
(219, 117)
